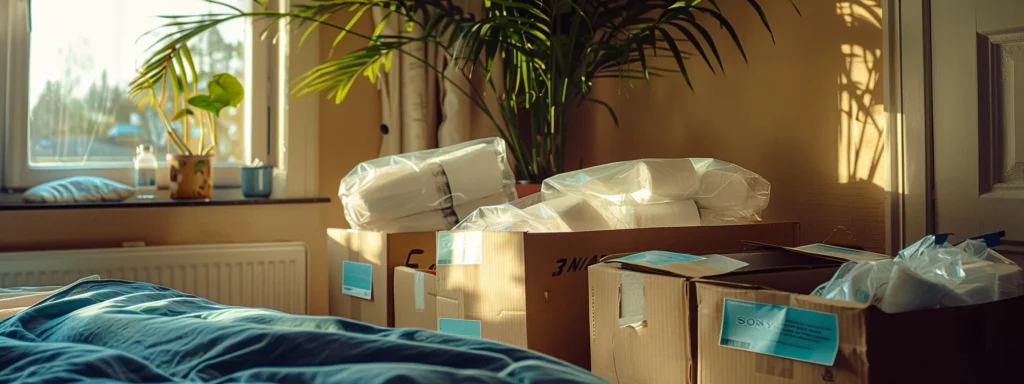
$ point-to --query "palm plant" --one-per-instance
(539, 57)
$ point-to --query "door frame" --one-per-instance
(910, 211)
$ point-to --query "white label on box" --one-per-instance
(417, 286)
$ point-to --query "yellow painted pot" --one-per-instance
(191, 176)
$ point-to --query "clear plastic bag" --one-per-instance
(928, 275)
(666, 192)
(564, 214)
(428, 190)
(635, 194)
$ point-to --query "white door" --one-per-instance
(978, 118)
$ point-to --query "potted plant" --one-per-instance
(169, 79)
(550, 53)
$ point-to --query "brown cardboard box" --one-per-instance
(415, 299)
(643, 316)
(383, 252)
(970, 344)
(530, 289)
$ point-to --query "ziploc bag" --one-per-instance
(666, 192)
(928, 274)
(427, 190)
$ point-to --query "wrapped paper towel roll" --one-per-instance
(725, 190)
(909, 291)
(575, 213)
(669, 214)
(472, 173)
(405, 189)
(436, 220)
(628, 182)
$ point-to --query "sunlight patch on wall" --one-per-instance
(862, 125)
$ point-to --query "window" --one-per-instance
(69, 65)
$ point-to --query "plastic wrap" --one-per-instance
(635, 194)
(928, 275)
(663, 192)
(428, 190)
(564, 214)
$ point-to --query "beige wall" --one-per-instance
(796, 115)
(349, 132)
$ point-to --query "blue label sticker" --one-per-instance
(661, 258)
(777, 330)
(467, 328)
(444, 248)
(357, 279)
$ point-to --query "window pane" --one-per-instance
(83, 55)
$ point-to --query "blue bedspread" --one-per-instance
(108, 330)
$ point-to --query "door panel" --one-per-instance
(978, 116)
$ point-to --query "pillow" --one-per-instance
(78, 189)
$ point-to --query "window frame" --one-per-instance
(15, 168)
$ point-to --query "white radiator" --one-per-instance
(269, 275)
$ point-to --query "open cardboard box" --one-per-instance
(977, 343)
(378, 253)
(644, 313)
(415, 292)
(530, 289)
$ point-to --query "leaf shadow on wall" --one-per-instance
(806, 113)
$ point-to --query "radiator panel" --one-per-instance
(268, 275)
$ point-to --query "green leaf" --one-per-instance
(182, 113)
(764, 18)
(611, 111)
(679, 58)
(226, 90)
(205, 103)
(684, 4)
(643, 59)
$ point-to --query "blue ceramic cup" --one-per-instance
(257, 181)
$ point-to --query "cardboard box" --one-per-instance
(969, 344)
(643, 315)
(530, 289)
(415, 299)
(376, 255)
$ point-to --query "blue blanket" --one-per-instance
(107, 330)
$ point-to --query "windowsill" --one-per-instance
(221, 197)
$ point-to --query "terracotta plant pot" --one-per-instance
(191, 176)
(525, 188)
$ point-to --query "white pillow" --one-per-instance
(78, 189)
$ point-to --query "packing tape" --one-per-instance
(632, 304)
(418, 292)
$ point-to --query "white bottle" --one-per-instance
(145, 172)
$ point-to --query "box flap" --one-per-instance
(680, 264)
(827, 251)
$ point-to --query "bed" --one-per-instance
(124, 331)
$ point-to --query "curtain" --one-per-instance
(420, 109)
